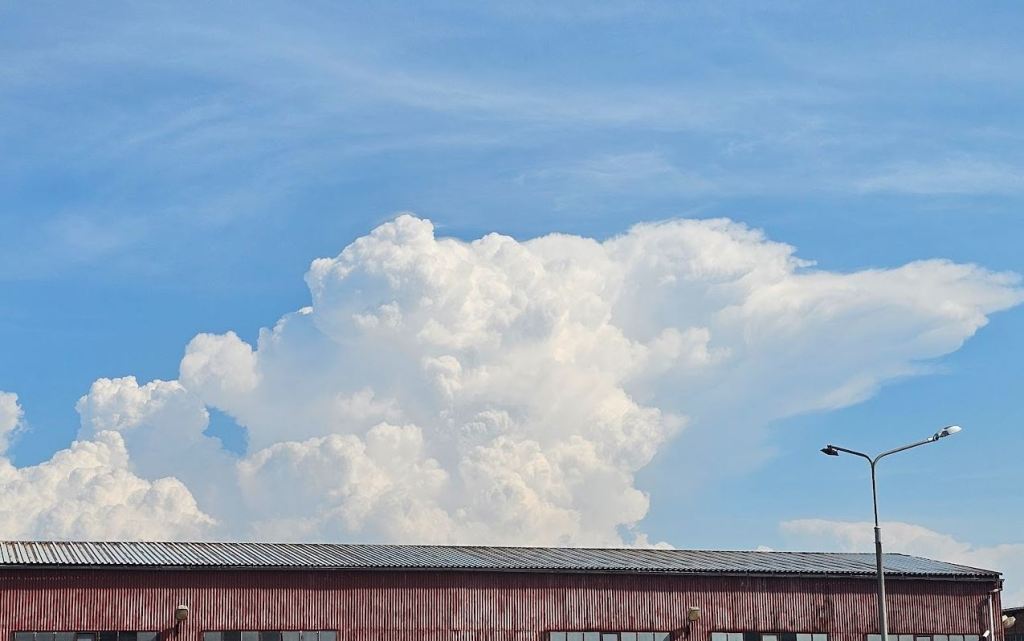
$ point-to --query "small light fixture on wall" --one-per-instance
(180, 613)
(692, 613)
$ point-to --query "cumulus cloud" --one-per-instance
(505, 391)
(913, 539)
(10, 418)
(88, 491)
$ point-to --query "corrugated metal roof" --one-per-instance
(120, 554)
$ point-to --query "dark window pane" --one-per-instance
(145, 635)
(270, 635)
(127, 636)
(85, 636)
(23, 636)
(212, 636)
(232, 635)
(787, 636)
(752, 636)
(44, 636)
(107, 635)
(309, 636)
(64, 636)
(328, 635)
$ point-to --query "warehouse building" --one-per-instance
(1013, 618)
(320, 592)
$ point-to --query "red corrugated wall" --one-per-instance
(475, 606)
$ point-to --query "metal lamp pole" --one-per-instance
(834, 450)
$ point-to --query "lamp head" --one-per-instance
(829, 451)
(949, 430)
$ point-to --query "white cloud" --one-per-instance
(507, 391)
(162, 424)
(958, 175)
(88, 491)
(10, 418)
(908, 538)
(383, 481)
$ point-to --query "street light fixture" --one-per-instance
(834, 450)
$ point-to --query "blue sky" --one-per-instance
(171, 171)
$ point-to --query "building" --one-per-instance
(314, 592)
(1015, 632)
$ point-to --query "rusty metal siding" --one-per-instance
(474, 606)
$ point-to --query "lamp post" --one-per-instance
(834, 450)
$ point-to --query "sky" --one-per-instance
(602, 273)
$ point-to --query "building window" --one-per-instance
(90, 635)
(593, 635)
(768, 636)
(269, 635)
(925, 637)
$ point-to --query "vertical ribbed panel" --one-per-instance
(475, 606)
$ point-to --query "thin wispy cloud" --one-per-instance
(952, 176)
(232, 113)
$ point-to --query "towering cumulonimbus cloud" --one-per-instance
(499, 391)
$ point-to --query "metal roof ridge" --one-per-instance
(469, 557)
(461, 546)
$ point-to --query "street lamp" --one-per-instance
(834, 450)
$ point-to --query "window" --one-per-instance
(769, 636)
(925, 637)
(608, 636)
(90, 635)
(268, 635)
